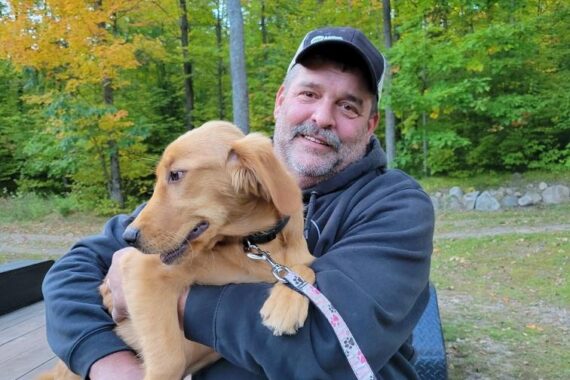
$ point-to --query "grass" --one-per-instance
(494, 180)
(522, 268)
(30, 207)
(7, 258)
(504, 299)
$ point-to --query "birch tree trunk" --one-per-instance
(240, 100)
(220, 65)
(389, 117)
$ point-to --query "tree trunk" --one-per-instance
(221, 103)
(186, 65)
(425, 144)
(390, 118)
(240, 100)
(114, 182)
(114, 186)
(263, 25)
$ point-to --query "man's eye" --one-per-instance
(176, 175)
(350, 110)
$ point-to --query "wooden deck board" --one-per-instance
(24, 352)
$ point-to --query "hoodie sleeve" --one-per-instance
(79, 330)
(375, 272)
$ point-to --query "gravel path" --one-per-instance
(503, 231)
(15, 242)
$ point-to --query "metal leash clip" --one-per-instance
(255, 253)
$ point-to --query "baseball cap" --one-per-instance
(334, 37)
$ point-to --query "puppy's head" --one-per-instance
(213, 182)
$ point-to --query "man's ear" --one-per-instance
(372, 123)
(279, 97)
(256, 170)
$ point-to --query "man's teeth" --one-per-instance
(314, 140)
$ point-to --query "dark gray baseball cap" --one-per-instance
(354, 39)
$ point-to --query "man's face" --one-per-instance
(323, 121)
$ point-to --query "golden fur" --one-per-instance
(236, 185)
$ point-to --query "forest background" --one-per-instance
(92, 91)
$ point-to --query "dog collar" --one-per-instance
(262, 237)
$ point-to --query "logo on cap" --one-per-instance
(324, 38)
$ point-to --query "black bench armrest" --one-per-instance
(21, 283)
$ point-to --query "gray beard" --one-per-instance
(330, 138)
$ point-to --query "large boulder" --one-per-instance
(487, 202)
(510, 201)
(469, 200)
(456, 191)
(556, 194)
(451, 202)
(530, 198)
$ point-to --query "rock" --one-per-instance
(556, 194)
(501, 190)
(469, 200)
(530, 198)
(486, 202)
(498, 194)
(524, 194)
(435, 202)
(510, 201)
(451, 202)
(456, 191)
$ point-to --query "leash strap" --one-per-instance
(351, 350)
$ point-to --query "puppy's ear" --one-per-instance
(256, 170)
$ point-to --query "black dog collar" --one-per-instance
(262, 237)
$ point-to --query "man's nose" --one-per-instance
(323, 115)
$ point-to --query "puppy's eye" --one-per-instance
(176, 175)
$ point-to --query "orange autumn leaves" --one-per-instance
(72, 41)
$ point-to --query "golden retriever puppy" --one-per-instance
(214, 187)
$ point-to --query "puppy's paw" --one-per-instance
(285, 311)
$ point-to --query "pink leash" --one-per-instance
(355, 357)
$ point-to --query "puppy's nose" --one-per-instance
(131, 235)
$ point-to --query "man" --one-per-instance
(370, 228)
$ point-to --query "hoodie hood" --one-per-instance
(374, 159)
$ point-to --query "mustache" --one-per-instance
(310, 129)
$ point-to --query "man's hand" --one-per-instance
(122, 365)
(114, 281)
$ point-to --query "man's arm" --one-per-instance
(79, 329)
(376, 276)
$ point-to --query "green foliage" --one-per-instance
(445, 151)
(482, 74)
(10, 127)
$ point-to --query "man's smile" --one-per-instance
(315, 140)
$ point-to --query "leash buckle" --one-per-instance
(255, 253)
